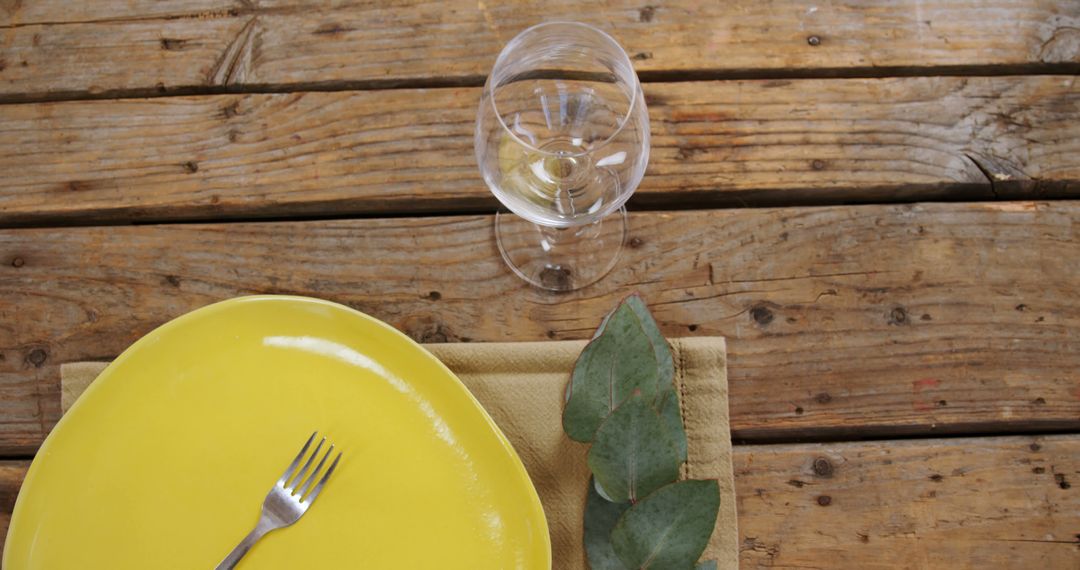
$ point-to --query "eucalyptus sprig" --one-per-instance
(622, 399)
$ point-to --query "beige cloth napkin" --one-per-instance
(521, 385)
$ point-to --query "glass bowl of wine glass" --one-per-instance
(562, 140)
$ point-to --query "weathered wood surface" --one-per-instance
(15, 13)
(722, 143)
(57, 49)
(975, 503)
(843, 321)
(961, 503)
(12, 473)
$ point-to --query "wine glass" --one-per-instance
(562, 140)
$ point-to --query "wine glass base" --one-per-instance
(560, 259)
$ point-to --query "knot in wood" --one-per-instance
(762, 315)
(823, 467)
(37, 357)
(898, 316)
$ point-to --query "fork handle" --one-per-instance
(245, 545)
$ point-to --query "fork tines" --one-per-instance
(294, 481)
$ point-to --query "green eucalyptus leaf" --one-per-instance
(600, 491)
(633, 453)
(664, 364)
(600, 517)
(669, 412)
(621, 360)
(603, 324)
(706, 565)
(587, 393)
(669, 528)
(667, 399)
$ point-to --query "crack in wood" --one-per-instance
(1040, 541)
(823, 275)
(234, 64)
(204, 15)
(1003, 177)
(985, 173)
(716, 296)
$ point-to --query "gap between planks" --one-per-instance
(654, 76)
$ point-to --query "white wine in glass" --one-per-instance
(562, 140)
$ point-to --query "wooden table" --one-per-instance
(873, 201)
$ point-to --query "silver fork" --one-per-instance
(286, 503)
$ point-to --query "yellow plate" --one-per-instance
(165, 460)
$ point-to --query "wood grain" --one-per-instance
(52, 49)
(1008, 502)
(12, 473)
(714, 143)
(960, 503)
(843, 321)
(16, 13)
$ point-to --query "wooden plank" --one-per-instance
(961, 503)
(843, 321)
(15, 13)
(977, 503)
(51, 50)
(12, 473)
(719, 143)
